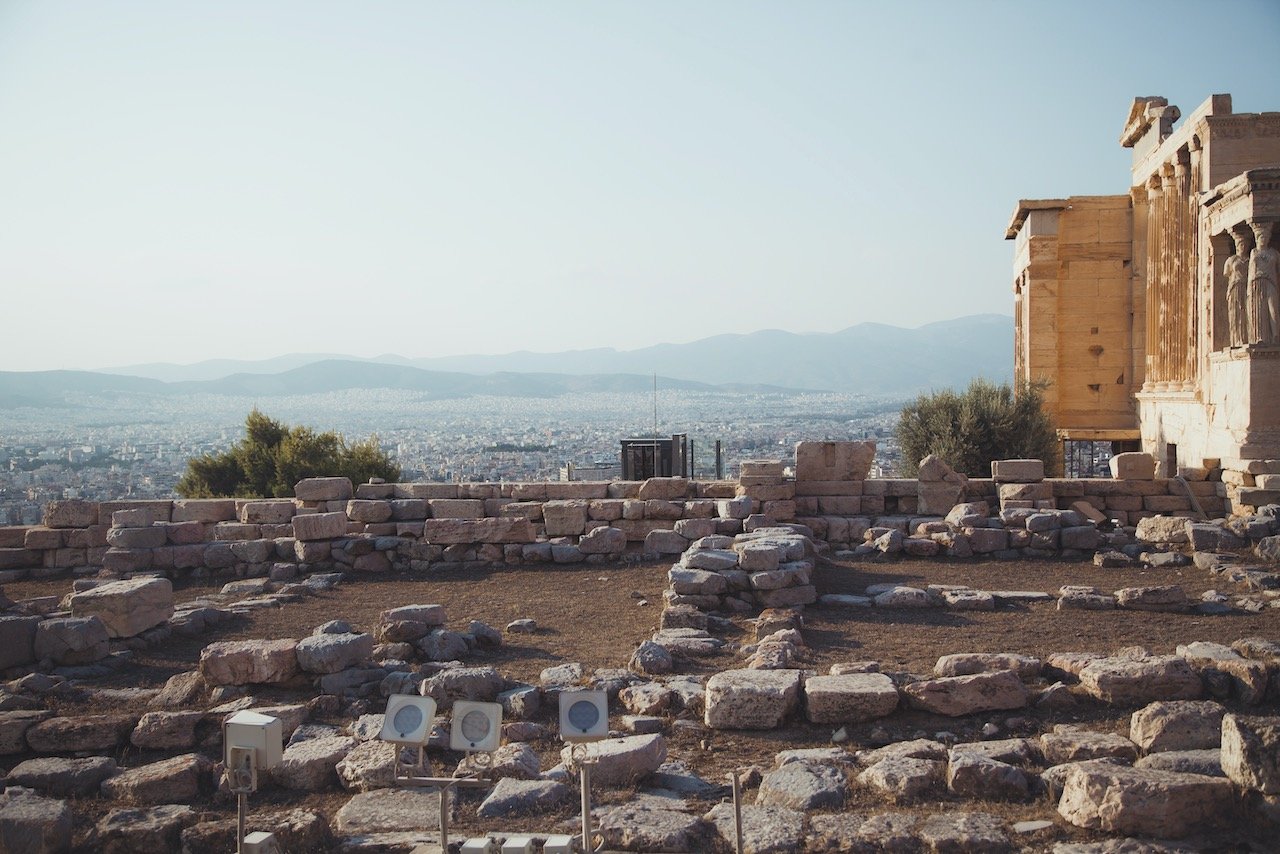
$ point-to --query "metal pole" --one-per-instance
(586, 806)
(242, 810)
(737, 812)
(444, 819)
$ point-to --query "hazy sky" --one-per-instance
(188, 180)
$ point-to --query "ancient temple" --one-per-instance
(1153, 314)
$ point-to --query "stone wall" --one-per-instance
(379, 526)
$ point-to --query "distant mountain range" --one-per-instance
(869, 358)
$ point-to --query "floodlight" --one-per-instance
(476, 726)
(408, 719)
(584, 715)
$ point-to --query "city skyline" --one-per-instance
(241, 180)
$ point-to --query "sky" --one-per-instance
(182, 181)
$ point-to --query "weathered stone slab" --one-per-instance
(309, 527)
(1117, 799)
(515, 797)
(309, 765)
(1177, 725)
(969, 663)
(1069, 743)
(903, 778)
(834, 460)
(1138, 681)
(30, 824)
(751, 699)
(803, 786)
(323, 489)
(621, 761)
(962, 695)
(649, 826)
(849, 698)
(166, 781)
(249, 662)
(52, 775)
(17, 640)
(72, 640)
(127, 608)
(80, 734)
(157, 828)
(771, 830)
(331, 653)
(166, 730)
(1251, 752)
(388, 810)
(1017, 471)
(491, 530)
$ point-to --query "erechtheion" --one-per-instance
(1153, 313)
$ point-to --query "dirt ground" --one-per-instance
(598, 614)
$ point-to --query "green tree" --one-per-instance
(970, 429)
(272, 457)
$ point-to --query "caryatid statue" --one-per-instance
(1264, 288)
(1236, 270)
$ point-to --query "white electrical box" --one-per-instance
(257, 732)
(259, 842)
(584, 715)
(518, 845)
(480, 845)
(558, 845)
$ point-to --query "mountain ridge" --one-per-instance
(868, 357)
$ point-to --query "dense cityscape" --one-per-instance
(136, 446)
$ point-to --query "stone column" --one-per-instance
(1155, 305)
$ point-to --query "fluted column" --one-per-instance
(1155, 307)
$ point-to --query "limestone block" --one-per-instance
(166, 730)
(310, 765)
(493, 530)
(968, 663)
(772, 830)
(962, 695)
(54, 775)
(80, 734)
(849, 698)
(72, 640)
(1251, 752)
(973, 776)
(1177, 725)
(249, 662)
(206, 510)
(367, 766)
(1134, 465)
(30, 823)
(1017, 471)
(834, 460)
(368, 511)
(606, 509)
(323, 489)
(1165, 597)
(803, 786)
(387, 811)
(156, 828)
(658, 508)
(751, 699)
(733, 508)
(621, 761)
(1162, 529)
(319, 526)
(330, 653)
(17, 640)
(176, 779)
(456, 508)
(136, 538)
(577, 489)
(71, 513)
(695, 529)
(127, 608)
(648, 826)
(512, 796)
(903, 778)
(664, 488)
(1116, 799)
(564, 518)
(664, 542)
(1139, 681)
(1040, 491)
(1069, 743)
(267, 511)
(603, 540)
